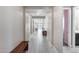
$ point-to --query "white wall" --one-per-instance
(58, 28)
(76, 12)
(11, 27)
(50, 27)
(27, 27)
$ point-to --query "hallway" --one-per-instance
(20, 24)
(40, 44)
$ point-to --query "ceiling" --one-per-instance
(38, 10)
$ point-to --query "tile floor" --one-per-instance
(40, 44)
(71, 50)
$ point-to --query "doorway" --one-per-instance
(38, 23)
(67, 26)
(38, 18)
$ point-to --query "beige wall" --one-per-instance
(11, 27)
(58, 28)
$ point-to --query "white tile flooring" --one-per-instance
(71, 50)
(39, 44)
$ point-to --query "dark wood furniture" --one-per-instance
(21, 48)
